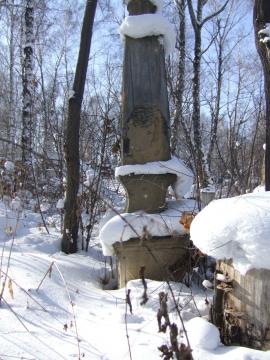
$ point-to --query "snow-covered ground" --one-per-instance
(71, 316)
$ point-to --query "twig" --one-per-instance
(9, 255)
(8, 263)
(142, 276)
(73, 312)
(26, 292)
(174, 341)
(179, 313)
(37, 197)
(49, 271)
(128, 301)
(126, 327)
(163, 312)
(14, 313)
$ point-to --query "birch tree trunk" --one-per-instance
(261, 17)
(197, 23)
(71, 217)
(11, 133)
(28, 82)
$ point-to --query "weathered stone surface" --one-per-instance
(243, 312)
(138, 7)
(163, 258)
(146, 192)
(145, 121)
(145, 128)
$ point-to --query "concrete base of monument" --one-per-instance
(162, 257)
(146, 192)
(241, 306)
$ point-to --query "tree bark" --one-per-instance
(28, 82)
(197, 24)
(180, 84)
(196, 87)
(71, 217)
(11, 133)
(261, 16)
(215, 114)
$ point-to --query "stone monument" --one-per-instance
(145, 140)
(145, 116)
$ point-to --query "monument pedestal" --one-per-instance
(164, 258)
(147, 192)
(145, 139)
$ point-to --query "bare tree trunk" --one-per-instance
(215, 115)
(71, 217)
(28, 82)
(261, 17)
(197, 24)
(180, 84)
(196, 87)
(11, 100)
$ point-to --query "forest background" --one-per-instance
(215, 84)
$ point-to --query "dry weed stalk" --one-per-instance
(48, 272)
(181, 352)
(142, 276)
(10, 289)
(73, 311)
(128, 303)
(128, 300)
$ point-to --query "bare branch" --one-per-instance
(192, 15)
(216, 13)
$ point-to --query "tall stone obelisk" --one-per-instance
(159, 244)
(145, 116)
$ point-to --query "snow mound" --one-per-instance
(140, 26)
(173, 166)
(132, 225)
(202, 334)
(157, 3)
(259, 188)
(237, 228)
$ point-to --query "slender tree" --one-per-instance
(261, 17)
(11, 98)
(71, 217)
(28, 81)
(198, 22)
(179, 91)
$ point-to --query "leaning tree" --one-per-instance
(71, 217)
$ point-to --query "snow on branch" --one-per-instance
(140, 26)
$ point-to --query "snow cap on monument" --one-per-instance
(140, 26)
